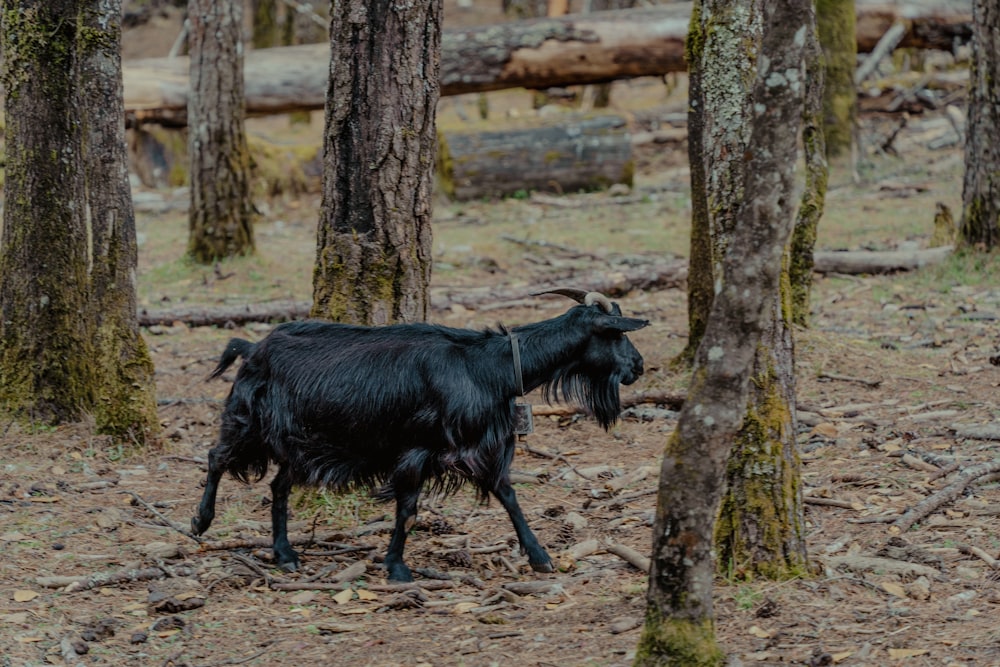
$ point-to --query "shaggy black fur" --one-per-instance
(401, 407)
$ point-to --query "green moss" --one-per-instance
(762, 487)
(445, 167)
(677, 642)
(835, 21)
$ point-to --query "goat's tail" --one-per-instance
(235, 348)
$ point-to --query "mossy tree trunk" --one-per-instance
(679, 627)
(980, 225)
(373, 261)
(46, 370)
(836, 25)
(722, 45)
(817, 173)
(69, 341)
(721, 50)
(125, 402)
(221, 213)
(267, 28)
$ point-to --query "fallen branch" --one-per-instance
(873, 262)
(944, 496)
(159, 515)
(72, 584)
(833, 502)
(629, 555)
(877, 564)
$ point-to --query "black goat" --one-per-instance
(399, 406)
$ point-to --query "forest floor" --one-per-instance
(897, 398)
(897, 388)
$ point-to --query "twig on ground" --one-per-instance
(166, 522)
(945, 495)
(874, 384)
(980, 554)
(629, 555)
(555, 456)
(74, 584)
(832, 502)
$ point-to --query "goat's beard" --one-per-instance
(599, 396)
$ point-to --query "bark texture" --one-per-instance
(69, 340)
(46, 368)
(679, 628)
(373, 261)
(835, 20)
(125, 403)
(980, 225)
(221, 222)
(723, 41)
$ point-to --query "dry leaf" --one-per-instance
(29, 639)
(365, 594)
(355, 610)
(900, 653)
(894, 589)
(463, 607)
(303, 597)
(24, 595)
(843, 655)
(759, 632)
(824, 429)
(343, 596)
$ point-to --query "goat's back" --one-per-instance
(348, 404)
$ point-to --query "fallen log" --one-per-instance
(872, 262)
(574, 154)
(616, 281)
(538, 53)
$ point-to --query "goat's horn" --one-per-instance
(596, 297)
(577, 295)
(581, 296)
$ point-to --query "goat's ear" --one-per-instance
(620, 324)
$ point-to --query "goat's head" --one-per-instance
(609, 358)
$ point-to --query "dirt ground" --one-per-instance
(897, 400)
(897, 387)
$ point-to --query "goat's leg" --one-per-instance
(281, 487)
(206, 508)
(538, 558)
(406, 516)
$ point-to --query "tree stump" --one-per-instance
(569, 155)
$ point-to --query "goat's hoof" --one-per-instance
(198, 526)
(400, 573)
(289, 566)
(546, 567)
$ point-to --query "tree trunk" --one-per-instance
(980, 224)
(679, 628)
(125, 404)
(835, 20)
(761, 527)
(723, 46)
(373, 260)
(267, 29)
(801, 258)
(46, 368)
(221, 222)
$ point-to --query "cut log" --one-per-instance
(870, 262)
(536, 53)
(575, 154)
